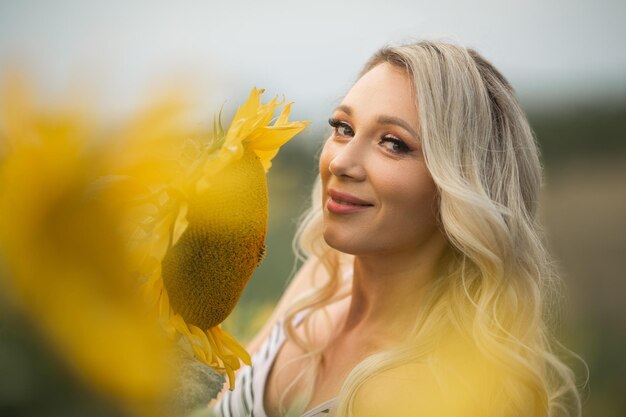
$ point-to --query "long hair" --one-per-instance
(497, 284)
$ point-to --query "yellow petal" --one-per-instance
(232, 344)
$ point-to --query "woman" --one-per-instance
(425, 280)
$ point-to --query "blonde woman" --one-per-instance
(425, 283)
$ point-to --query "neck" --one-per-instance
(388, 287)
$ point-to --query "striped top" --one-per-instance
(246, 400)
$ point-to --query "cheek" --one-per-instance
(325, 158)
(412, 197)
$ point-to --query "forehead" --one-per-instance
(384, 90)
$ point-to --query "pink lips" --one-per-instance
(342, 203)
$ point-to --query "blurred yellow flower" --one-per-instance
(62, 260)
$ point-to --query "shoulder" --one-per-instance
(302, 282)
(411, 389)
(442, 386)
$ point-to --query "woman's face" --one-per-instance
(378, 195)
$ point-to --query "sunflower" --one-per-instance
(201, 223)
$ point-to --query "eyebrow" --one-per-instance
(387, 120)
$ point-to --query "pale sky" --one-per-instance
(553, 52)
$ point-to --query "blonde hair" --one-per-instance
(498, 278)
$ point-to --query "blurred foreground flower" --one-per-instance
(62, 261)
(84, 212)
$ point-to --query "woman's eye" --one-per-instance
(394, 145)
(341, 128)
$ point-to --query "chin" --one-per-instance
(343, 243)
(335, 241)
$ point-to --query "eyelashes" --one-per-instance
(390, 143)
(333, 122)
(337, 124)
(395, 145)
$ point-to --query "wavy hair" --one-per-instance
(498, 281)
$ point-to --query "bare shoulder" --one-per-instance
(434, 388)
(302, 282)
(411, 389)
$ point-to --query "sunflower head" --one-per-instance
(203, 232)
(221, 246)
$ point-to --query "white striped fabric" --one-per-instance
(246, 400)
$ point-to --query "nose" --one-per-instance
(348, 161)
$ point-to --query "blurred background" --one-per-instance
(566, 60)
